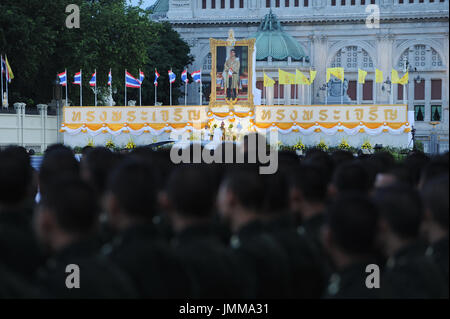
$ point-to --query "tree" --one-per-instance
(112, 35)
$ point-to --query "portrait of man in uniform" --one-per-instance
(232, 73)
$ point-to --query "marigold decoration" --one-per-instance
(90, 142)
(344, 145)
(322, 146)
(299, 146)
(110, 144)
(366, 146)
(130, 145)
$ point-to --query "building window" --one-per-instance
(207, 63)
(353, 2)
(431, 0)
(286, 3)
(368, 90)
(222, 4)
(275, 91)
(267, 3)
(420, 1)
(333, 2)
(296, 3)
(351, 91)
(277, 3)
(436, 89)
(305, 3)
(231, 4)
(411, 1)
(399, 92)
(342, 2)
(241, 4)
(419, 90)
(419, 112)
(213, 4)
(203, 4)
(400, 1)
(363, 2)
(372, 1)
(436, 112)
(260, 85)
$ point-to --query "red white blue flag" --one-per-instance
(63, 78)
(93, 81)
(172, 77)
(156, 78)
(131, 82)
(77, 78)
(197, 76)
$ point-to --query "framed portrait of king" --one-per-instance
(231, 72)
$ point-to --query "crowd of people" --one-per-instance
(136, 225)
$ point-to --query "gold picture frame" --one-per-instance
(214, 44)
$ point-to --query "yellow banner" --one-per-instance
(268, 82)
(362, 76)
(134, 115)
(378, 76)
(332, 113)
(300, 78)
(286, 77)
(337, 72)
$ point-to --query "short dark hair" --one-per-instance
(133, 184)
(311, 181)
(100, 162)
(73, 203)
(247, 185)
(352, 218)
(436, 167)
(321, 158)
(435, 198)
(58, 161)
(401, 206)
(16, 175)
(351, 176)
(191, 191)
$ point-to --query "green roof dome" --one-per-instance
(272, 41)
(160, 7)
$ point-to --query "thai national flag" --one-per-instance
(131, 82)
(109, 78)
(184, 77)
(196, 76)
(63, 78)
(172, 76)
(93, 81)
(141, 76)
(77, 78)
(156, 78)
(4, 68)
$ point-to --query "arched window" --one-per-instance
(352, 57)
(421, 57)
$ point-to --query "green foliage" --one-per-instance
(112, 34)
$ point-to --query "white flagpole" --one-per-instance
(279, 90)
(67, 82)
(170, 82)
(156, 93)
(81, 88)
(140, 89)
(110, 89)
(342, 91)
(7, 93)
(1, 76)
(125, 87)
(201, 88)
(95, 87)
(185, 91)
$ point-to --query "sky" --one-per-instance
(145, 3)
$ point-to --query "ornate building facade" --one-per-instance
(317, 34)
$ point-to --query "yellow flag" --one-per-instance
(404, 79)
(300, 78)
(337, 72)
(378, 76)
(394, 76)
(362, 76)
(268, 82)
(312, 76)
(11, 74)
(286, 77)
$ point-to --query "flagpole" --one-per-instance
(279, 89)
(140, 89)
(125, 87)
(95, 87)
(110, 89)
(1, 76)
(81, 88)
(342, 91)
(201, 88)
(156, 94)
(185, 91)
(170, 82)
